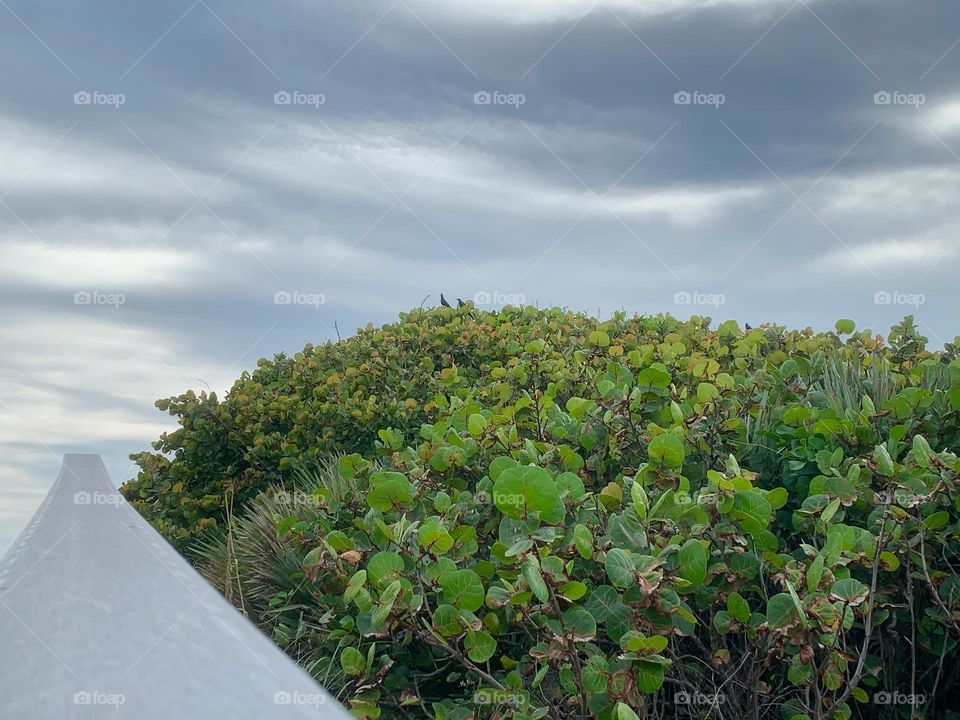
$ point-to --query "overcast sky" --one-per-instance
(166, 169)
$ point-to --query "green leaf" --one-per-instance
(639, 497)
(476, 424)
(883, 461)
(583, 541)
(781, 611)
(446, 620)
(889, 561)
(937, 520)
(352, 661)
(650, 673)
(480, 646)
(579, 623)
(667, 450)
(625, 713)
(389, 491)
(738, 607)
(655, 376)
(463, 589)
(620, 569)
(384, 568)
(850, 591)
(573, 590)
(605, 605)
(599, 338)
(533, 576)
(385, 606)
(595, 671)
(752, 511)
(707, 392)
(777, 498)
(434, 538)
(522, 490)
(845, 327)
(814, 573)
(829, 511)
(693, 563)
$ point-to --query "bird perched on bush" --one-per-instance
(460, 303)
(443, 301)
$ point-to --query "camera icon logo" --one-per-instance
(882, 98)
(82, 98)
(82, 498)
(682, 698)
(882, 698)
(481, 298)
(82, 297)
(682, 98)
(82, 698)
(282, 698)
(882, 298)
(282, 98)
(282, 297)
(682, 298)
(482, 98)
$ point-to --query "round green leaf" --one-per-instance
(620, 569)
(580, 623)
(446, 620)
(480, 646)
(352, 661)
(384, 567)
(693, 563)
(522, 490)
(463, 589)
(389, 491)
(667, 450)
(781, 611)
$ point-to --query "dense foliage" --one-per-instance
(537, 514)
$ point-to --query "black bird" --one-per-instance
(747, 326)
(443, 301)
(460, 303)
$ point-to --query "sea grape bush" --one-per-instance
(535, 514)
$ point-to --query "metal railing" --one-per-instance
(101, 618)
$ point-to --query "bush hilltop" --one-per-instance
(537, 514)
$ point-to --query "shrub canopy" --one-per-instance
(534, 514)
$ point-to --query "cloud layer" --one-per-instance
(167, 170)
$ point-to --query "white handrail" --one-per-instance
(101, 618)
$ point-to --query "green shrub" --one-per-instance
(536, 514)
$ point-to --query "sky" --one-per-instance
(188, 186)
